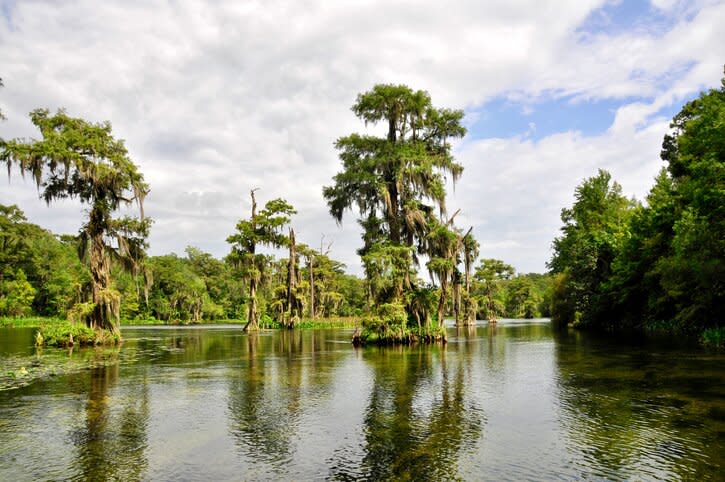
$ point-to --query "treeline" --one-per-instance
(500, 293)
(395, 183)
(622, 264)
(41, 274)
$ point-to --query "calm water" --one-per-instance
(512, 402)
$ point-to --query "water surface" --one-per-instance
(511, 402)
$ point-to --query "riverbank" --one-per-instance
(60, 332)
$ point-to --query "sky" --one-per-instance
(216, 98)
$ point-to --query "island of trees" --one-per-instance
(618, 264)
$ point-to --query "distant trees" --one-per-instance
(263, 228)
(501, 293)
(41, 274)
(31, 255)
(489, 275)
(77, 159)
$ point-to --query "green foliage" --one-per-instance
(82, 160)
(502, 293)
(390, 325)
(664, 266)
(396, 183)
(16, 295)
(595, 229)
(80, 312)
(169, 289)
(28, 322)
(50, 265)
(713, 337)
(387, 266)
(69, 334)
(262, 228)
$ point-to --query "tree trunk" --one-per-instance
(393, 214)
(491, 307)
(252, 323)
(442, 300)
(107, 302)
(312, 287)
(291, 280)
(457, 300)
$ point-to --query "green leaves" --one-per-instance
(382, 176)
(78, 159)
(662, 264)
(594, 230)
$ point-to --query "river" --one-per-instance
(516, 401)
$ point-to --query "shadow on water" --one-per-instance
(636, 408)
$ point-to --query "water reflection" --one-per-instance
(636, 411)
(511, 401)
(418, 419)
(111, 443)
(277, 385)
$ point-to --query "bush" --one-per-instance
(69, 334)
(713, 337)
(391, 327)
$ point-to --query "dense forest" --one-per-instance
(622, 264)
(41, 275)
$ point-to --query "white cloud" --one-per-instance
(214, 100)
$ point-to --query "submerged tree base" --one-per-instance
(71, 334)
(391, 326)
(366, 337)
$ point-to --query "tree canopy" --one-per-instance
(397, 184)
(657, 265)
(78, 159)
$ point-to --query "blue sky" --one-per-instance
(215, 99)
(535, 120)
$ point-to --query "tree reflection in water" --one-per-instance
(626, 411)
(271, 392)
(112, 442)
(418, 419)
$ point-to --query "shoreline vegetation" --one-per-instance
(618, 265)
(63, 333)
(56, 332)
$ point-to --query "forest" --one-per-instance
(42, 276)
(621, 264)
(618, 263)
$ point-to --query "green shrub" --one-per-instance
(713, 337)
(69, 334)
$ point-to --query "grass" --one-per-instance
(154, 322)
(29, 322)
(265, 322)
(333, 322)
(58, 332)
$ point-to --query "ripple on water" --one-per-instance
(511, 402)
